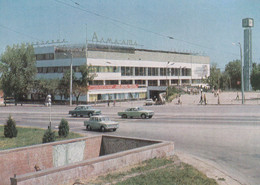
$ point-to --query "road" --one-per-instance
(225, 135)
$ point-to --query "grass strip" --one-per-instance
(28, 136)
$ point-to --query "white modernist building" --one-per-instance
(123, 72)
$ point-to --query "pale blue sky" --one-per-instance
(204, 26)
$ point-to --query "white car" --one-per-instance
(101, 123)
(149, 102)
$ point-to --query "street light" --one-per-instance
(242, 71)
(167, 70)
(49, 105)
(70, 77)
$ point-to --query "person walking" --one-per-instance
(205, 100)
(201, 99)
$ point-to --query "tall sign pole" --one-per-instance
(247, 24)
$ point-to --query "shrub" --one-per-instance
(64, 128)
(10, 128)
(49, 136)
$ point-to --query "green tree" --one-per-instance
(255, 76)
(19, 69)
(10, 128)
(46, 86)
(214, 78)
(49, 136)
(64, 128)
(64, 84)
(79, 85)
(233, 70)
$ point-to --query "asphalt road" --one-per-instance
(225, 135)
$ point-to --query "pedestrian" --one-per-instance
(201, 99)
(114, 104)
(205, 100)
(237, 98)
(108, 103)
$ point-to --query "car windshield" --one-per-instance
(105, 119)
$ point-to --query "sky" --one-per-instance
(207, 27)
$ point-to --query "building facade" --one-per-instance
(123, 73)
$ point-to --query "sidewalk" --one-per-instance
(208, 169)
(225, 98)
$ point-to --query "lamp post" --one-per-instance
(71, 79)
(49, 105)
(167, 81)
(242, 71)
(71, 59)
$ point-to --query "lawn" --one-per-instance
(156, 171)
(28, 136)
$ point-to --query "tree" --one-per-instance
(80, 84)
(255, 76)
(46, 86)
(64, 128)
(214, 78)
(19, 71)
(64, 84)
(233, 70)
(49, 136)
(10, 128)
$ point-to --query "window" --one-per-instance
(152, 83)
(162, 71)
(123, 82)
(152, 71)
(46, 56)
(140, 82)
(111, 82)
(126, 71)
(140, 71)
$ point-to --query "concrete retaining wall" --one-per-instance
(23, 160)
(65, 161)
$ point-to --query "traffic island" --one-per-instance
(66, 161)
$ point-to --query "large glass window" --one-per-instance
(140, 71)
(123, 82)
(126, 71)
(46, 56)
(152, 71)
(111, 82)
(152, 83)
(162, 71)
(140, 82)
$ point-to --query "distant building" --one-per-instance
(123, 73)
(247, 23)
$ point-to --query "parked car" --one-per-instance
(101, 123)
(136, 112)
(84, 110)
(149, 102)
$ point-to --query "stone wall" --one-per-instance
(96, 166)
(23, 160)
(65, 161)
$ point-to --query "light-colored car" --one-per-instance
(136, 112)
(101, 123)
(149, 102)
(84, 110)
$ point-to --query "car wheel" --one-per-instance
(150, 117)
(143, 116)
(88, 127)
(90, 114)
(124, 116)
(114, 129)
(102, 129)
